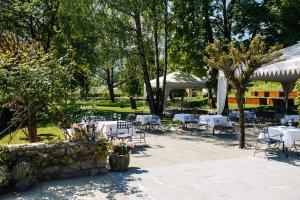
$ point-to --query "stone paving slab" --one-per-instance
(238, 178)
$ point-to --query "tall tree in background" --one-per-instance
(113, 48)
(77, 30)
(238, 62)
(142, 55)
(156, 50)
(165, 67)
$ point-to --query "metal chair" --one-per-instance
(262, 136)
(140, 134)
(108, 117)
(154, 121)
(123, 130)
(222, 127)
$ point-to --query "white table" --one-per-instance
(249, 115)
(145, 119)
(214, 120)
(184, 118)
(110, 127)
(289, 134)
(286, 118)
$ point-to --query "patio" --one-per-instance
(184, 166)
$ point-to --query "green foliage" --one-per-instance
(24, 174)
(188, 42)
(30, 19)
(103, 148)
(120, 147)
(239, 61)
(6, 156)
(31, 79)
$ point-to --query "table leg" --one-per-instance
(282, 147)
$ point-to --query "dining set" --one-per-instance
(215, 122)
(277, 138)
(114, 127)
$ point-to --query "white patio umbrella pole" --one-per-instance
(287, 88)
(221, 92)
(167, 93)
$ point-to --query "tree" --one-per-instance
(76, 30)
(113, 48)
(30, 79)
(238, 62)
(165, 67)
(30, 19)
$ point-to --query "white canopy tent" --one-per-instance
(178, 80)
(286, 71)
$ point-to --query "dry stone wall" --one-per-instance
(62, 160)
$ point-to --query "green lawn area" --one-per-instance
(45, 134)
(49, 131)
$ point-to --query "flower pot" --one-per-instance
(119, 162)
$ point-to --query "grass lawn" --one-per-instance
(45, 134)
(49, 131)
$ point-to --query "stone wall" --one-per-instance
(63, 159)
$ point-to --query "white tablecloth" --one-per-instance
(214, 120)
(248, 114)
(289, 134)
(185, 117)
(294, 118)
(110, 127)
(144, 119)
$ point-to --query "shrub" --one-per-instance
(6, 157)
(103, 148)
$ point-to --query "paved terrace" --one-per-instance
(184, 165)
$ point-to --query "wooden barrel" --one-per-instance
(119, 162)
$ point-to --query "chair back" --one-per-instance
(131, 117)
(261, 128)
(108, 117)
(124, 125)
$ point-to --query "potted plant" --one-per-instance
(24, 176)
(120, 158)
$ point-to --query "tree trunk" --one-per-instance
(211, 101)
(210, 38)
(156, 53)
(141, 50)
(110, 84)
(240, 101)
(32, 127)
(162, 107)
(111, 93)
